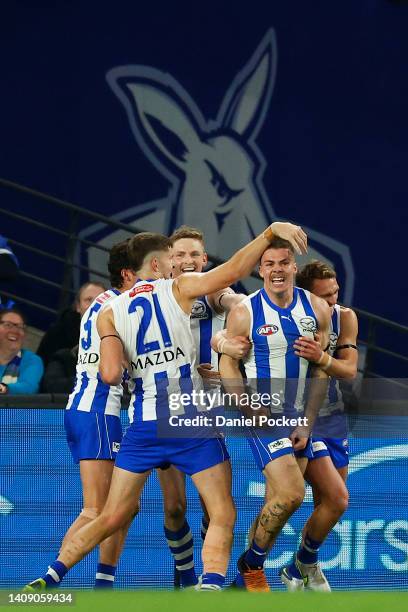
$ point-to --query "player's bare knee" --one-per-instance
(90, 513)
(342, 501)
(175, 512)
(291, 498)
(336, 500)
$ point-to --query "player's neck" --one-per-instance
(282, 300)
(148, 274)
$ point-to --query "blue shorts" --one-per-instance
(266, 449)
(335, 448)
(92, 435)
(143, 450)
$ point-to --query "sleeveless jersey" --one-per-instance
(90, 394)
(158, 345)
(205, 322)
(272, 360)
(334, 400)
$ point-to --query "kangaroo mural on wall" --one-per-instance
(214, 167)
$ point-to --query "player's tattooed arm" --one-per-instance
(111, 349)
(189, 286)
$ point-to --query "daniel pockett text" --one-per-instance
(219, 420)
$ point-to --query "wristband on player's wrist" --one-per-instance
(220, 344)
(324, 366)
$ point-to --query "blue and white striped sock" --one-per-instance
(105, 576)
(204, 527)
(55, 573)
(212, 582)
(255, 556)
(309, 550)
(181, 547)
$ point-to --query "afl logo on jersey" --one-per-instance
(308, 324)
(267, 330)
(199, 310)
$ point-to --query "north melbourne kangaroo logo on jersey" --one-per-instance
(199, 311)
(308, 324)
(214, 167)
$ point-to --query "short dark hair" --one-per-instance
(118, 261)
(141, 245)
(13, 310)
(279, 243)
(185, 231)
(314, 270)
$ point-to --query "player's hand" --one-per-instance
(236, 347)
(299, 437)
(211, 377)
(308, 348)
(293, 233)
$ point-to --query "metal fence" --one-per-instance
(57, 252)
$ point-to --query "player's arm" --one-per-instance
(236, 347)
(344, 363)
(319, 379)
(225, 299)
(111, 348)
(238, 324)
(189, 286)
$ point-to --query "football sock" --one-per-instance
(181, 547)
(255, 556)
(55, 573)
(105, 576)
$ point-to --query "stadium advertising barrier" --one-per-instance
(41, 495)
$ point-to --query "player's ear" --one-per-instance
(260, 271)
(295, 268)
(205, 258)
(155, 265)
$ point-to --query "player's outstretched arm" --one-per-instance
(344, 364)
(111, 349)
(189, 286)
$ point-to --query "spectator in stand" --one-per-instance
(20, 369)
(9, 267)
(65, 332)
(60, 372)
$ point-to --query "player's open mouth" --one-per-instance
(278, 281)
(12, 338)
(188, 269)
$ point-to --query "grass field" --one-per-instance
(227, 601)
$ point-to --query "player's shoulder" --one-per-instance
(347, 315)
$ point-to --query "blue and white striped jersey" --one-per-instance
(334, 400)
(271, 360)
(158, 345)
(205, 322)
(90, 394)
